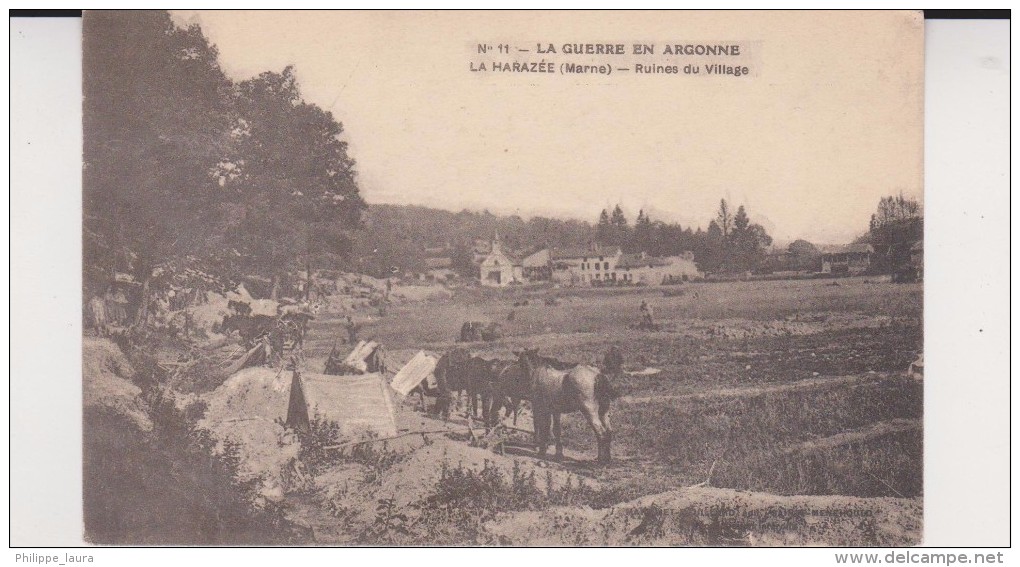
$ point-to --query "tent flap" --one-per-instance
(417, 369)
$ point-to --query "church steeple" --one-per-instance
(496, 244)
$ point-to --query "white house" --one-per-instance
(498, 268)
(651, 270)
(581, 266)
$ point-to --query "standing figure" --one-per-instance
(612, 362)
(647, 321)
(352, 331)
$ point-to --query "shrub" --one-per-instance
(168, 486)
(320, 451)
(464, 499)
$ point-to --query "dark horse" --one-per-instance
(557, 391)
(511, 385)
(458, 371)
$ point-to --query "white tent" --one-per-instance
(417, 369)
(356, 403)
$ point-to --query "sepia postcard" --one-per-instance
(516, 278)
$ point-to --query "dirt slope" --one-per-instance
(714, 516)
(106, 375)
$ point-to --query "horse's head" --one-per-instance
(528, 359)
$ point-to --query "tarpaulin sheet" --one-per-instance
(417, 369)
(356, 403)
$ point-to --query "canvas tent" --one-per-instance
(366, 357)
(356, 403)
(419, 368)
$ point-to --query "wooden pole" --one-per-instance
(423, 433)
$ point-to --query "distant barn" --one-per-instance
(852, 260)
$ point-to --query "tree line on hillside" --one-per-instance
(403, 236)
(732, 243)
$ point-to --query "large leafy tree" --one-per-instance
(897, 223)
(183, 164)
(157, 108)
(804, 255)
(291, 172)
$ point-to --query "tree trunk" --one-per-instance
(275, 293)
(308, 281)
(143, 307)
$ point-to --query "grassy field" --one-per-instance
(790, 387)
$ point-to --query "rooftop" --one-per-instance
(582, 252)
(640, 261)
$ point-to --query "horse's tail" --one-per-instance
(604, 390)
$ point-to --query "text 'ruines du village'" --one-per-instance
(696, 59)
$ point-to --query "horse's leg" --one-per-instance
(487, 413)
(558, 434)
(490, 408)
(495, 404)
(541, 419)
(447, 404)
(595, 421)
(604, 456)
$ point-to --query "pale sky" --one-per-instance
(829, 121)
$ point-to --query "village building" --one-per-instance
(538, 266)
(642, 269)
(586, 266)
(852, 260)
(582, 266)
(565, 264)
(607, 266)
(600, 265)
(499, 268)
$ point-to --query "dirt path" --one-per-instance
(857, 435)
